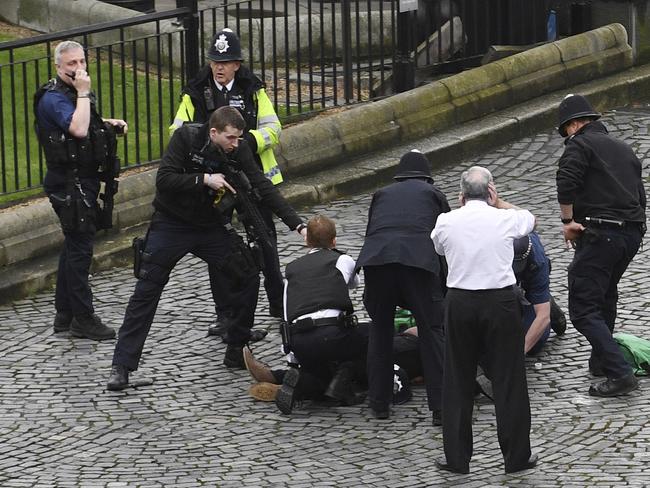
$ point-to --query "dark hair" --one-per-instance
(321, 232)
(227, 116)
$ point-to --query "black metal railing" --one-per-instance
(312, 54)
(134, 74)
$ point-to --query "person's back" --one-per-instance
(601, 175)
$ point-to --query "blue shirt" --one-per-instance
(55, 111)
(535, 277)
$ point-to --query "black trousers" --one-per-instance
(601, 257)
(167, 242)
(273, 283)
(321, 350)
(73, 293)
(389, 286)
(486, 325)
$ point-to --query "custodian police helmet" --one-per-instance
(574, 107)
(225, 47)
(522, 247)
(413, 164)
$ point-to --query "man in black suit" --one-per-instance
(401, 268)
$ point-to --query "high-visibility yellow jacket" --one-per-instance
(200, 98)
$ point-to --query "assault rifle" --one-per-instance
(245, 202)
(108, 172)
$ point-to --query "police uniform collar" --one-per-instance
(220, 86)
(593, 126)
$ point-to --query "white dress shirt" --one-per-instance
(476, 240)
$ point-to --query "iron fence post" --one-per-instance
(346, 32)
(192, 45)
(404, 65)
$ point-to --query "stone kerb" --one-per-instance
(333, 140)
(457, 99)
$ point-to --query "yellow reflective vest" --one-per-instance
(197, 104)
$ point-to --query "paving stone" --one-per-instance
(196, 426)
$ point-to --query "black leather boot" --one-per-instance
(90, 327)
(234, 357)
(119, 378)
(62, 321)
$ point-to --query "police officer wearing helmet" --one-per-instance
(189, 185)
(540, 313)
(401, 268)
(226, 82)
(602, 208)
(78, 145)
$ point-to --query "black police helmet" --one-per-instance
(574, 107)
(522, 248)
(401, 386)
(225, 47)
(413, 164)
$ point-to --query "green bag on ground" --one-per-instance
(636, 352)
(403, 320)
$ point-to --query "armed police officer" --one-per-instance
(80, 152)
(226, 82)
(190, 187)
(602, 206)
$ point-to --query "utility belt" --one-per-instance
(597, 222)
(308, 324)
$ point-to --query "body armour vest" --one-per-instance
(63, 151)
(315, 283)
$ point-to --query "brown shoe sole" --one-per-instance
(264, 392)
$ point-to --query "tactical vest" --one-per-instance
(63, 151)
(315, 283)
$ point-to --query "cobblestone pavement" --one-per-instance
(196, 426)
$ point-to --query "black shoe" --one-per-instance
(62, 321)
(614, 387)
(276, 310)
(380, 414)
(286, 396)
(257, 335)
(558, 319)
(90, 327)
(436, 418)
(531, 463)
(219, 328)
(119, 378)
(341, 388)
(442, 464)
(234, 357)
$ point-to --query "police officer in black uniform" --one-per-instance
(325, 336)
(602, 203)
(401, 268)
(227, 82)
(79, 148)
(189, 184)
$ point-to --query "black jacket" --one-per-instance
(180, 191)
(400, 221)
(600, 176)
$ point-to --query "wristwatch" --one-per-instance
(567, 221)
(301, 227)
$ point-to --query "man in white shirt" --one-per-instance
(483, 321)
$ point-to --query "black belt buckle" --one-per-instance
(350, 320)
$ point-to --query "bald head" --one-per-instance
(474, 183)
